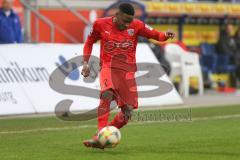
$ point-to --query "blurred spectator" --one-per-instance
(227, 46)
(226, 43)
(237, 59)
(237, 39)
(10, 27)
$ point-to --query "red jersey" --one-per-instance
(118, 47)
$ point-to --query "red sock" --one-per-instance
(119, 121)
(103, 113)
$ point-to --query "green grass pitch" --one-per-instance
(211, 133)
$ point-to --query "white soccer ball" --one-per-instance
(109, 136)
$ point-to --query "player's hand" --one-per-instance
(85, 70)
(170, 34)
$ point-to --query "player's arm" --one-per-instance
(93, 37)
(150, 33)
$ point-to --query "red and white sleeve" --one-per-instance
(150, 33)
(93, 37)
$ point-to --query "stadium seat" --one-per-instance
(208, 58)
(173, 55)
(186, 64)
(212, 62)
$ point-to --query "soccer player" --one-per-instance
(118, 40)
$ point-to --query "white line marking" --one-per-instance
(133, 123)
(47, 129)
(217, 117)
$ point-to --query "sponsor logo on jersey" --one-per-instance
(111, 46)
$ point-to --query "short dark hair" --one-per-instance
(127, 8)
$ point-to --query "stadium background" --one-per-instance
(205, 17)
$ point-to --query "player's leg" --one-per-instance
(127, 98)
(107, 95)
(103, 115)
(104, 108)
(123, 116)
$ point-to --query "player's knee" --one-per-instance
(107, 95)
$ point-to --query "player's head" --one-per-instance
(124, 16)
(7, 4)
(228, 29)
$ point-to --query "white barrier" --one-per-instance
(24, 75)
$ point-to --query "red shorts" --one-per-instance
(123, 85)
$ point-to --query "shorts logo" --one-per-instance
(130, 32)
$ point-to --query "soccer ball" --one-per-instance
(109, 137)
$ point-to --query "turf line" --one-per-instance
(132, 123)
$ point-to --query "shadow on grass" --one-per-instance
(108, 151)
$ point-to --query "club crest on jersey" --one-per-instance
(130, 32)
